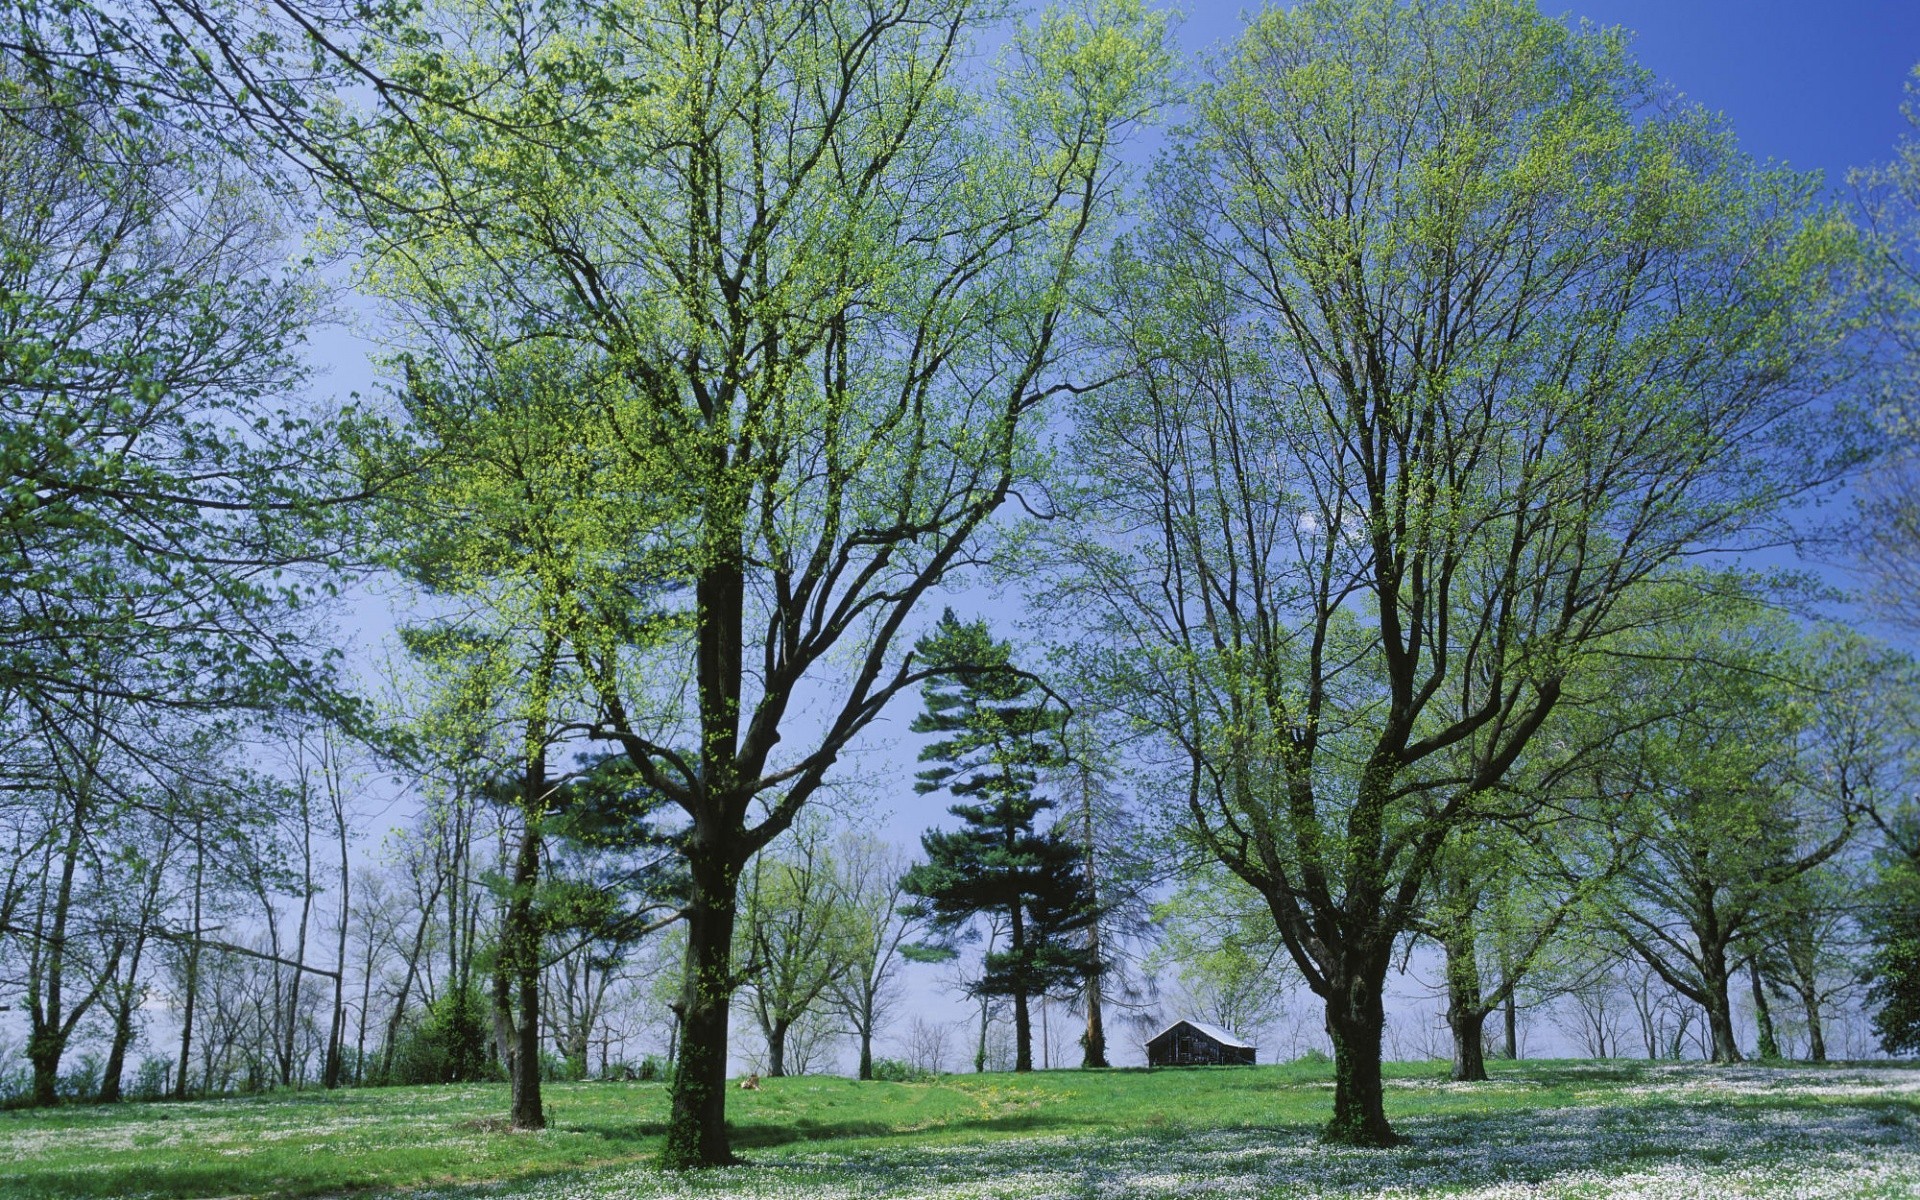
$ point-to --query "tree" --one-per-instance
(1220, 939)
(810, 279)
(1889, 205)
(163, 500)
(794, 932)
(998, 733)
(1755, 779)
(1118, 861)
(1446, 331)
(877, 929)
(1891, 917)
(1494, 910)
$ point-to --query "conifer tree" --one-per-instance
(996, 732)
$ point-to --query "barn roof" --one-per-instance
(1213, 1031)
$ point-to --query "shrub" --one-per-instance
(893, 1070)
(448, 1045)
(151, 1078)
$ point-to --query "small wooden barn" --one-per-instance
(1196, 1043)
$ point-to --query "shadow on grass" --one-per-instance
(1661, 1148)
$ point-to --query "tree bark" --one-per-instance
(1356, 1018)
(866, 1049)
(1768, 1044)
(521, 938)
(1022, 1016)
(1725, 1048)
(1466, 1013)
(126, 1002)
(696, 1126)
(777, 1050)
(1094, 1042)
(193, 963)
(337, 1028)
(1469, 1043)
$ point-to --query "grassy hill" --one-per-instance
(1538, 1129)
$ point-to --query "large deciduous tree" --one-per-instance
(159, 487)
(811, 262)
(1769, 751)
(1446, 330)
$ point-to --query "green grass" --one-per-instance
(1559, 1129)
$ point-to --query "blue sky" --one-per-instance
(1815, 83)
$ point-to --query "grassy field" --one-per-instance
(1537, 1130)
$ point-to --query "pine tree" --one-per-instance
(997, 735)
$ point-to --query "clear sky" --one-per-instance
(1814, 83)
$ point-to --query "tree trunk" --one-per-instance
(300, 943)
(980, 1051)
(126, 1002)
(697, 1125)
(1022, 1033)
(866, 1048)
(522, 945)
(1094, 1042)
(1469, 1043)
(1720, 1023)
(777, 1049)
(193, 964)
(117, 1055)
(1356, 1018)
(1816, 1035)
(337, 1028)
(1022, 1017)
(1768, 1045)
(1466, 1015)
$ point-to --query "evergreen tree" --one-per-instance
(996, 732)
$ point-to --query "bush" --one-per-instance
(893, 1070)
(449, 1044)
(1314, 1057)
(82, 1078)
(651, 1067)
(151, 1078)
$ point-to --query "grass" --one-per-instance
(1537, 1130)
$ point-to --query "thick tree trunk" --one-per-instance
(1356, 1018)
(1768, 1045)
(1094, 1041)
(866, 1049)
(116, 1067)
(1469, 1044)
(777, 1049)
(1022, 1033)
(126, 1003)
(43, 1052)
(697, 1125)
(1466, 1015)
(1510, 1018)
(1725, 1049)
(1816, 1035)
